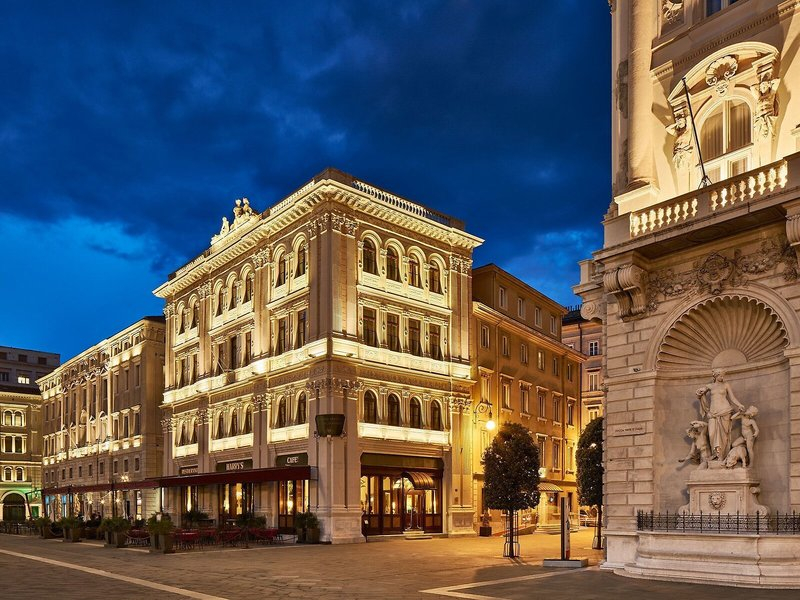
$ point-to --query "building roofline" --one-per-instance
(18, 349)
(493, 268)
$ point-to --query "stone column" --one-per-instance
(458, 477)
(640, 94)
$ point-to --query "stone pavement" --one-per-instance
(455, 568)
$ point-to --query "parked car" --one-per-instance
(588, 517)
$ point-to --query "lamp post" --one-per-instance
(484, 406)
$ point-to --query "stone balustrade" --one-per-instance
(752, 185)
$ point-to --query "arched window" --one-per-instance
(436, 416)
(415, 414)
(413, 272)
(18, 421)
(233, 295)
(281, 278)
(370, 407)
(392, 265)
(394, 411)
(234, 430)
(182, 435)
(193, 432)
(20, 474)
(7, 417)
(301, 261)
(248, 288)
(435, 278)
(195, 315)
(248, 420)
(724, 135)
(280, 418)
(370, 257)
(301, 409)
(7, 474)
(221, 426)
(181, 321)
(220, 300)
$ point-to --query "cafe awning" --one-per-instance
(549, 487)
(241, 476)
(421, 481)
(101, 487)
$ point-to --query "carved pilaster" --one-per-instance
(793, 233)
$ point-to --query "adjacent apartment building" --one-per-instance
(102, 426)
(318, 358)
(21, 431)
(524, 374)
(585, 336)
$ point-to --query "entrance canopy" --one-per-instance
(244, 476)
(421, 481)
(549, 487)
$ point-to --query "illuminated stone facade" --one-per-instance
(586, 336)
(21, 431)
(340, 299)
(695, 274)
(525, 375)
(101, 426)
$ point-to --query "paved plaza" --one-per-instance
(424, 569)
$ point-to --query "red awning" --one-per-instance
(246, 476)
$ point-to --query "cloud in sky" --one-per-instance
(143, 121)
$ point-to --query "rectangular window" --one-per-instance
(557, 409)
(594, 413)
(556, 455)
(540, 359)
(90, 469)
(370, 331)
(435, 341)
(247, 351)
(23, 378)
(521, 308)
(553, 325)
(136, 464)
(137, 375)
(523, 354)
(542, 403)
(594, 348)
(501, 297)
(70, 472)
(571, 413)
(393, 332)
(280, 346)
(137, 427)
(42, 360)
(80, 471)
(556, 366)
(116, 466)
(594, 381)
(484, 336)
(127, 379)
(486, 389)
(23, 358)
(4, 375)
(525, 400)
(301, 329)
(414, 340)
(714, 6)
(505, 345)
(570, 458)
(233, 342)
(506, 389)
(125, 465)
(541, 442)
(101, 467)
(537, 316)
(569, 372)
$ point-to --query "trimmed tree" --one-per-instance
(511, 475)
(590, 472)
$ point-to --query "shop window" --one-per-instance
(392, 264)
(394, 411)
(370, 258)
(415, 414)
(370, 407)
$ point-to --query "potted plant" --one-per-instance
(162, 537)
(312, 528)
(116, 532)
(300, 527)
(71, 527)
(486, 525)
(43, 524)
(193, 518)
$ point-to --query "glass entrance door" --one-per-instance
(414, 509)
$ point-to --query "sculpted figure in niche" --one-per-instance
(749, 431)
(700, 448)
(719, 411)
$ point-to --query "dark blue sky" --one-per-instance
(127, 129)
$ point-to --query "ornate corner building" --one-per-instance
(318, 358)
(101, 427)
(698, 271)
(21, 431)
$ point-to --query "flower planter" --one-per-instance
(46, 532)
(312, 535)
(154, 547)
(72, 534)
(301, 536)
(166, 543)
(116, 539)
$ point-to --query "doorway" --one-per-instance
(414, 510)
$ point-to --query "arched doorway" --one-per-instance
(14, 507)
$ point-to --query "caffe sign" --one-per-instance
(234, 465)
(292, 460)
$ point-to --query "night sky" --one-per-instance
(127, 129)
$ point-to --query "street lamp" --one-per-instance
(484, 406)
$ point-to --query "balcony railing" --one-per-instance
(713, 199)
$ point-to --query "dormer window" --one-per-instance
(725, 138)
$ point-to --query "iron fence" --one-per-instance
(727, 523)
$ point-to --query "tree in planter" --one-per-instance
(511, 475)
(590, 472)
(116, 531)
(194, 517)
(161, 533)
(300, 526)
(312, 528)
(71, 526)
